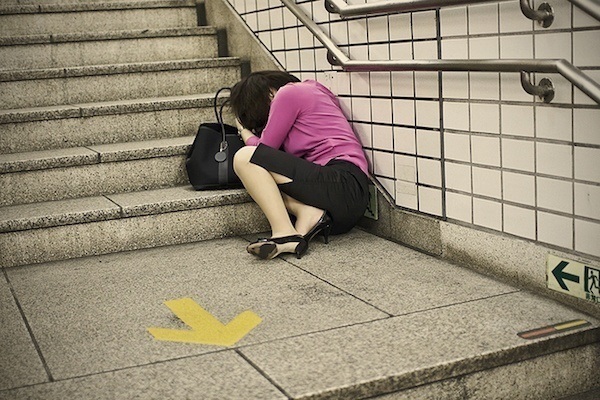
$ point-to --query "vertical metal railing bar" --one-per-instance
(592, 7)
(337, 57)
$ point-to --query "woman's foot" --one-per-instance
(322, 227)
(271, 248)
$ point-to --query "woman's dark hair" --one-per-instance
(251, 97)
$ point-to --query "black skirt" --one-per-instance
(340, 187)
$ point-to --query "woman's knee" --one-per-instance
(242, 157)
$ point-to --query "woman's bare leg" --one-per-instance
(306, 216)
(262, 186)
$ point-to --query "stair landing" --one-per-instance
(361, 317)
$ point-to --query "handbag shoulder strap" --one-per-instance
(219, 111)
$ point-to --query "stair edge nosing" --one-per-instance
(116, 69)
(82, 110)
(205, 199)
(96, 154)
(17, 9)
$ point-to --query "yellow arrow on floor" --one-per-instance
(206, 329)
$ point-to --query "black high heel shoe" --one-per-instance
(271, 248)
(323, 227)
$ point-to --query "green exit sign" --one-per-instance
(573, 278)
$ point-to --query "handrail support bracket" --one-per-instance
(544, 15)
(544, 89)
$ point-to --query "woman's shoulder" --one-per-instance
(306, 88)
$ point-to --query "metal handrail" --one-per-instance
(592, 7)
(544, 90)
(543, 14)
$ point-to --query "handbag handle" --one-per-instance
(221, 156)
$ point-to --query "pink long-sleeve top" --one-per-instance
(305, 119)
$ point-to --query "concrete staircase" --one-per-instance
(100, 102)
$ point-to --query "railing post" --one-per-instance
(544, 90)
(544, 14)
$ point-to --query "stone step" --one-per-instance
(41, 2)
(99, 48)
(45, 128)
(62, 86)
(59, 230)
(361, 317)
(67, 18)
(92, 170)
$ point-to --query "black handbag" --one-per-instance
(209, 162)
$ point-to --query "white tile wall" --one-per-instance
(553, 45)
(519, 221)
(428, 143)
(405, 140)
(427, 84)
(587, 237)
(428, 113)
(554, 159)
(458, 176)
(429, 171)
(459, 206)
(485, 150)
(485, 86)
(517, 120)
(404, 112)
(383, 137)
(457, 146)
(587, 164)
(511, 18)
(508, 160)
(555, 194)
(518, 154)
(383, 163)
(454, 116)
(403, 83)
(485, 117)
(518, 46)
(453, 21)
(483, 18)
(587, 200)
(487, 182)
(424, 25)
(487, 213)
(406, 168)
(381, 110)
(555, 229)
(518, 188)
(406, 195)
(586, 49)
(430, 200)
(586, 123)
(557, 123)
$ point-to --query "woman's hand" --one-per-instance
(239, 125)
(243, 133)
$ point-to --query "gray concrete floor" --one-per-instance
(353, 318)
